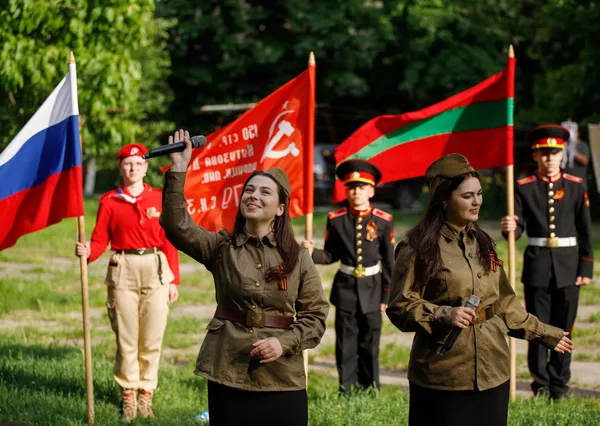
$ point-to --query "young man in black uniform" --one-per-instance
(362, 238)
(554, 209)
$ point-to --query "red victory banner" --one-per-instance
(277, 132)
(477, 123)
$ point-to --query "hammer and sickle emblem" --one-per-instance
(284, 128)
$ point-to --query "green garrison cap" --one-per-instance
(281, 177)
(446, 168)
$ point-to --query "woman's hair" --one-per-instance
(287, 246)
(424, 237)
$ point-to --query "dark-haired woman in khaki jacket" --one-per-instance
(444, 260)
(270, 301)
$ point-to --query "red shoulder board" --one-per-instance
(337, 213)
(383, 215)
(572, 178)
(528, 179)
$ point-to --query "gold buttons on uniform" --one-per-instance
(551, 200)
(552, 226)
(359, 242)
(552, 235)
(550, 193)
(551, 210)
(358, 235)
(359, 251)
(359, 258)
(359, 227)
(258, 266)
(550, 185)
(250, 331)
(257, 284)
(253, 306)
(360, 219)
(552, 218)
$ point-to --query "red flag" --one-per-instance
(277, 132)
(477, 123)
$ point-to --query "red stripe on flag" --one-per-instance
(483, 148)
(59, 197)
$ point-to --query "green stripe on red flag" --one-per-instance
(480, 116)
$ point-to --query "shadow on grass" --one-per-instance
(48, 369)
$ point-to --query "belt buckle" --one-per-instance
(480, 315)
(359, 272)
(255, 319)
(552, 242)
(141, 251)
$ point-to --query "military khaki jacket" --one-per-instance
(479, 358)
(238, 270)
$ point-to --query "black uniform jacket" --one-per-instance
(364, 238)
(557, 208)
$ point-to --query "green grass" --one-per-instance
(595, 318)
(394, 357)
(44, 385)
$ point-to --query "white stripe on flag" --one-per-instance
(61, 104)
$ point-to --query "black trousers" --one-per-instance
(458, 408)
(228, 406)
(557, 307)
(357, 349)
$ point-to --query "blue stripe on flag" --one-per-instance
(50, 151)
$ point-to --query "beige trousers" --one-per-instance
(137, 306)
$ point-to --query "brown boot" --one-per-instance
(129, 405)
(145, 404)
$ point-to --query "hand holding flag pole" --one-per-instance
(510, 207)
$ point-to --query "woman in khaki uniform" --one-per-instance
(269, 295)
(444, 260)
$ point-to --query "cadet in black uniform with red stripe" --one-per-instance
(553, 208)
(362, 238)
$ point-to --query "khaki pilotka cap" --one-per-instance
(446, 168)
(281, 177)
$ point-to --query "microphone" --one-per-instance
(197, 142)
(473, 303)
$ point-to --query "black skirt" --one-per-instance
(228, 406)
(464, 408)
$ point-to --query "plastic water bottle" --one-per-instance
(202, 417)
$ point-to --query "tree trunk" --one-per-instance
(90, 177)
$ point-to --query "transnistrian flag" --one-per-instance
(276, 132)
(40, 170)
(477, 123)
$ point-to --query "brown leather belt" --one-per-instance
(254, 319)
(140, 251)
(484, 314)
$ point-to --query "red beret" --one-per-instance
(132, 149)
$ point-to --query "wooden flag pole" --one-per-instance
(510, 207)
(87, 343)
(308, 218)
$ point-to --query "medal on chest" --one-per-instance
(371, 231)
(152, 212)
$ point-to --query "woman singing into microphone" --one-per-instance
(445, 259)
(270, 303)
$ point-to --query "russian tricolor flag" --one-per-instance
(40, 170)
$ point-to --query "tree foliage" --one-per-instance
(122, 64)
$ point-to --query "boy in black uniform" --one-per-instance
(362, 238)
(554, 209)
